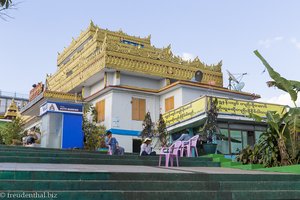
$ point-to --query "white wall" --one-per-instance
(94, 88)
(122, 109)
(125, 141)
(108, 108)
(141, 82)
(110, 78)
(177, 93)
(118, 113)
(163, 83)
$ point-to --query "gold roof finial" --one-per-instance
(92, 23)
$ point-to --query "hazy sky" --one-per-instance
(213, 30)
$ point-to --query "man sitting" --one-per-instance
(113, 143)
(146, 149)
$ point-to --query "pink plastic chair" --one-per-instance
(170, 153)
(189, 146)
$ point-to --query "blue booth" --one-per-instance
(61, 125)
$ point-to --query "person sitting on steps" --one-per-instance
(146, 149)
(113, 143)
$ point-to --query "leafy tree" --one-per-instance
(279, 144)
(162, 131)
(93, 134)
(148, 127)
(12, 131)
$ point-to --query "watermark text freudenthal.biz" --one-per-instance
(28, 195)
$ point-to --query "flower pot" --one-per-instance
(210, 148)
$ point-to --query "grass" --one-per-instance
(295, 169)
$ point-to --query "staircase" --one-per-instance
(175, 183)
(44, 155)
(103, 185)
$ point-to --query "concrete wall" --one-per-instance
(94, 88)
(190, 94)
(177, 93)
(108, 109)
(142, 82)
(122, 109)
(118, 113)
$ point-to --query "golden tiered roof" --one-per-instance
(12, 111)
(96, 49)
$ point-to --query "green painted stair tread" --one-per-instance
(116, 161)
(59, 175)
(48, 185)
(87, 155)
(187, 195)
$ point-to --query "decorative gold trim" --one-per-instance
(97, 48)
(61, 95)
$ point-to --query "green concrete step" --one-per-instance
(89, 155)
(117, 161)
(22, 148)
(109, 185)
(144, 185)
(59, 175)
(159, 195)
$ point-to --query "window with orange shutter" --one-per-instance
(138, 109)
(100, 107)
(169, 103)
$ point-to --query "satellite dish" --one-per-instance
(198, 76)
(234, 83)
(232, 77)
(239, 86)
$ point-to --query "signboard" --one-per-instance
(185, 112)
(34, 92)
(225, 106)
(244, 108)
(61, 107)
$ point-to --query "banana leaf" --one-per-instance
(291, 87)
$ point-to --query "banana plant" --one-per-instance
(274, 139)
(290, 122)
(290, 86)
(293, 124)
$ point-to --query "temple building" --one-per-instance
(7, 97)
(125, 77)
